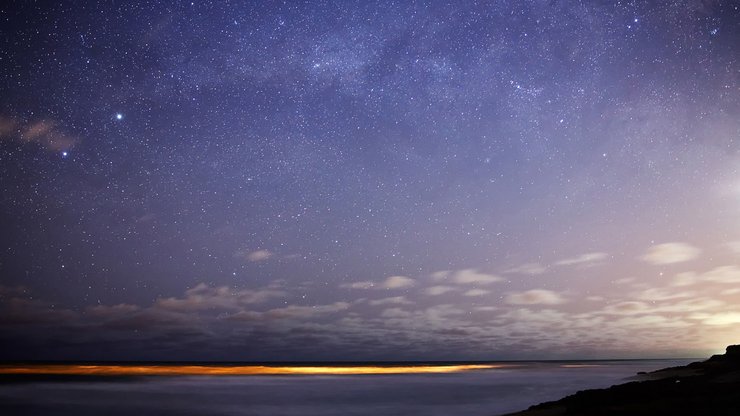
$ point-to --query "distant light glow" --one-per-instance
(119, 116)
(207, 370)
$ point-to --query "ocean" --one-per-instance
(489, 392)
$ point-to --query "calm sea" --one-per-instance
(481, 392)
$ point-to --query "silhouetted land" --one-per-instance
(710, 387)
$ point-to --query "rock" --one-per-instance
(733, 351)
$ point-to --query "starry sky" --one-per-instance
(353, 180)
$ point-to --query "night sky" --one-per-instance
(338, 180)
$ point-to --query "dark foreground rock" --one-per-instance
(710, 387)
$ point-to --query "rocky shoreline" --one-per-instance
(710, 387)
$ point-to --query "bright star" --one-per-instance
(119, 116)
(65, 154)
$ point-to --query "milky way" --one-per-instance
(368, 180)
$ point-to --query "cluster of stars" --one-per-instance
(152, 147)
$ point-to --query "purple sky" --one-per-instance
(369, 180)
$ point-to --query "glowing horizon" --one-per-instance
(243, 370)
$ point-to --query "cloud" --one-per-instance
(358, 285)
(680, 307)
(397, 282)
(395, 300)
(734, 246)
(690, 305)
(476, 292)
(438, 290)
(255, 256)
(392, 282)
(114, 311)
(670, 253)
(302, 312)
(43, 132)
(291, 312)
(627, 308)
(648, 321)
(684, 279)
(33, 312)
(535, 297)
(466, 277)
(440, 275)
(528, 268)
(204, 297)
(523, 315)
(583, 259)
(395, 313)
(438, 313)
(660, 294)
(722, 318)
(721, 274)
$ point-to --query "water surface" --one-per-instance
(503, 387)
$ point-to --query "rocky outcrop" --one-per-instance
(710, 387)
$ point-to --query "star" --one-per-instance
(348, 145)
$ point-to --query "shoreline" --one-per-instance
(710, 387)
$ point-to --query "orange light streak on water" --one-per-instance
(208, 370)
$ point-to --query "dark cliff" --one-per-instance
(710, 387)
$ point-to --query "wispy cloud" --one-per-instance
(528, 268)
(660, 294)
(535, 297)
(673, 306)
(391, 282)
(365, 284)
(45, 133)
(302, 312)
(476, 292)
(721, 274)
(204, 297)
(670, 253)
(734, 246)
(255, 255)
(627, 308)
(438, 290)
(394, 300)
(397, 282)
(583, 259)
(466, 277)
(721, 318)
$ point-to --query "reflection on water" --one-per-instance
(492, 391)
(233, 370)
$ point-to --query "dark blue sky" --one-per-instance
(368, 180)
